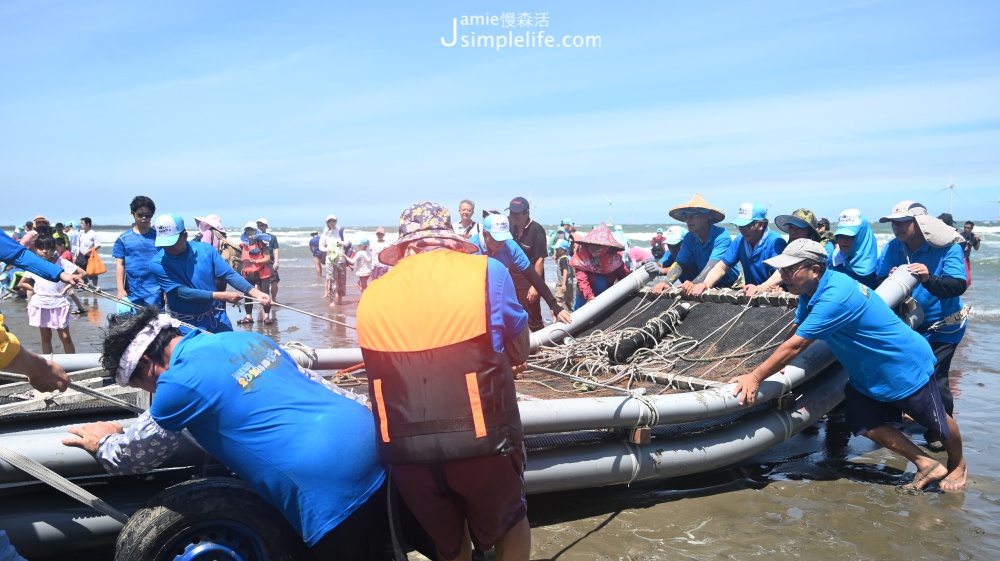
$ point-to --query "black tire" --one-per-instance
(209, 519)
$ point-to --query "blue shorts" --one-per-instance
(924, 406)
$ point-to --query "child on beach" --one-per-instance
(48, 307)
(363, 264)
(564, 292)
(256, 270)
(64, 253)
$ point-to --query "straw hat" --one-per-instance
(425, 220)
(601, 235)
(697, 202)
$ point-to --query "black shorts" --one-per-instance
(924, 406)
(274, 276)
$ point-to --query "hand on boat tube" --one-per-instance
(747, 385)
(563, 316)
(91, 435)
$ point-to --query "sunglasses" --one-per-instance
(145, 215)
(689, 213)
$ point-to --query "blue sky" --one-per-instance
(295, 110)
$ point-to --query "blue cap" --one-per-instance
(562, 244)
(566, 222)
(675, 235)
(169, 228)
(850, 223)
(498, 226)
(364, 242)
(659, 230)
(750, 212)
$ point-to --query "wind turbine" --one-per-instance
(951, 194)
(610, 219)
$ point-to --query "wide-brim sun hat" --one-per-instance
(211, 221)
(803, 218)
(250, 225)
(429, 221)
(935, 231)
(601, 235)
(698, 202)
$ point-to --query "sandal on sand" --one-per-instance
(245, 321)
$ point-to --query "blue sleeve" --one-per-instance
(233, 278)
(685, 256)
(118, 251)
(174, 406)
(194, 295)
(479, 244)
(722, 244)
(953, 263)
(779, 247)
(166, 283)
(517, 257)
(824, 319)
(13, 252)
(507, 317)
(732, 254)
(885, 261)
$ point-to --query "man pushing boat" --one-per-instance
(890, 365)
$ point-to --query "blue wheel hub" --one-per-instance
(217, 540)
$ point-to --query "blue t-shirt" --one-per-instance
(751, 260)
(887, 360)
(940, 261)
(511, 254)
(507, 317)
(138, 251)
(196, 268)
(304, 449)
(695, 255)
(314, 247)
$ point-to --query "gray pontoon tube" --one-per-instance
(562, 469)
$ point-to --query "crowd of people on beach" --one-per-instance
(443, 331)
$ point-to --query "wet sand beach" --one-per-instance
(821, 495)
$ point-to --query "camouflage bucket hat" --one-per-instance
(802, 217)
(425, 220)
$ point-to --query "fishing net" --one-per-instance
(659, 344)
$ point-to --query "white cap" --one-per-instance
(252, 225)
(263, 221)
(331, 217)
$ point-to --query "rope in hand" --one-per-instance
(96, 291)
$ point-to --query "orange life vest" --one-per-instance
(439, 390)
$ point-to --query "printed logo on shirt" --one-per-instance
(246, 376)
(864, 290)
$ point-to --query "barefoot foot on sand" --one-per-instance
(926, 476)
(955, 480)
